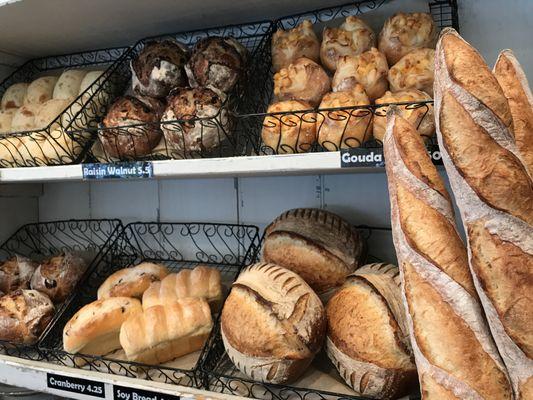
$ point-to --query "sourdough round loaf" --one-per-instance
(316, 244)
(272, 323)
(16, 273)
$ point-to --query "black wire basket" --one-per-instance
(55, 144)
(89, 239)
(321, 381)
(227, 247)
(217, 134)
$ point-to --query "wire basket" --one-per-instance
(89, 239)
(320, 382)
(55, 144)
(226, 247)
(218, 135)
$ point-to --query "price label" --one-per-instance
(373, 157)
(125, 170)
(125, 393)
(75, 385)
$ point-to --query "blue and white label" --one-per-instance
(125, 170)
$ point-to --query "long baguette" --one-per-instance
(454, 352)
(495, 197)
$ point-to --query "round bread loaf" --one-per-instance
(404, 32)
(6, 119)
(68, 85)
(353, 37)
(316, 244)
(130, 142)
(49, 111)
(201, 120)
(24, 118)
(40, 90)
(158, 68)
(415, 70)
(216, 62)
(16, 273)
(368, 339)
(289, 45)
(347, 128)
(302, 80)
(289, 131)
(272, 323)
(369, 69)
(420, 117)
(14, 96)
(132, 282)
(24, 314)
(57, 276)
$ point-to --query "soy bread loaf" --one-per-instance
(368, 339)
(165, 332)
(133, 281)
(454, 352)
(200, 282)
(316, 244)
(495, 196)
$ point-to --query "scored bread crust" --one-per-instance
(319, 245)
(451, 340)
(272, 323)
(495, 197)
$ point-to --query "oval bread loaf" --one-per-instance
(272, 323)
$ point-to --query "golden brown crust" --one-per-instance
(506, 275)
(289, 45)
(488, 168)
(415, 70)
(431, 389)
(525, 389)
(458, 352)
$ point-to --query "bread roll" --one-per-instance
(200, 282)
(16, 273)
(289, 131)
(272, 324)
(353, 37)
(404, 32)
(95, 328)
(368, 338)
(40, 90)
(133, 281)
(6, 118)
(24, 314)
(58, 276)
(347, 128)
(49, 111)
(24, 118)
(289, 45)
(369, 69)
(68, 85)
(302, 80)
(513, 82)
(14, 96)
(495, 196)
(316, 244)
(453, 348)
(162, 333)
(415, 70)
(420, 116)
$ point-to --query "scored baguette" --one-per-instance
(454, 352)
(494, 194)
(513, 81)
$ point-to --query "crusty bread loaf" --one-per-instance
(513, 82)
(133, 281)
(95, 328)
(368, 339)
(453, 348)
(16, 273)
(162, 333)
(201, 282)
(24, 314)
(316, 244)
(272, 323)
(495, 196)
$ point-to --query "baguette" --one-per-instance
(494, 193)
(513, 81)
(454, 352)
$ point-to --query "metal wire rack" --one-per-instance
(87, 238)
(55, 144)
(227, 247)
